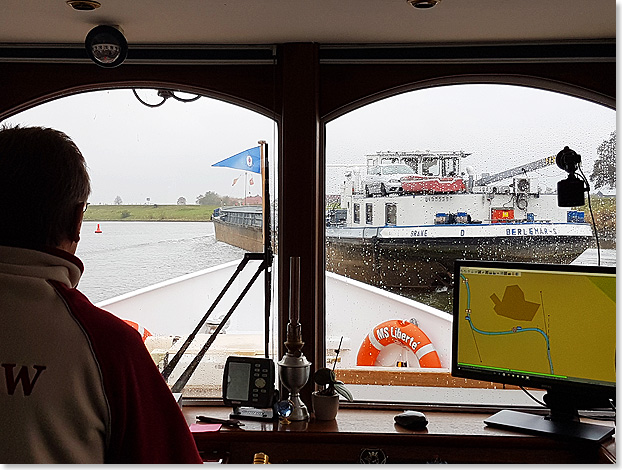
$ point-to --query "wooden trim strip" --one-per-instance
(397, 376)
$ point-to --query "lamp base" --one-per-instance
(294, 373)
(300, 411)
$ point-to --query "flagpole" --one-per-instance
(265, 200)
(265, 209)
(243, 161)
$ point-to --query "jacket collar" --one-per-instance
(45, 263)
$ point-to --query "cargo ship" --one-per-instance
(411, 238)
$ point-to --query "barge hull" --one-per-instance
(428, 263)
(243, 236)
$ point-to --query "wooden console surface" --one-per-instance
(366, 435)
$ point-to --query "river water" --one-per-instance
(127, 256)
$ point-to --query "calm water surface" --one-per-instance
(131, 255)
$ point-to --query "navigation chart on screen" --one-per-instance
(526, 323)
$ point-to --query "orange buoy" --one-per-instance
(98, 230)
(401, 332)
(144, 332)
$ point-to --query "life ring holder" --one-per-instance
(402, 332)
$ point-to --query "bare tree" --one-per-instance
(604, 172)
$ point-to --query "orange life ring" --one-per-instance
(144, 332)
(397, 331)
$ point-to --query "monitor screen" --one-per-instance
(542, 326)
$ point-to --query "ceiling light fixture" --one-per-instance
(106, 46)
(423, 4)
(83, 5)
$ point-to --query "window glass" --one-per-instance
(391, 214)
(162, 233)
(452, 167)
(396, 170)
(431, 167)
(369, 214)
(485, 188)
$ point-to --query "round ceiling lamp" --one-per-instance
(423, 4)
(83, 5)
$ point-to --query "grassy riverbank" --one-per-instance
(154, 212)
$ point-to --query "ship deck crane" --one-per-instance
(535, 165)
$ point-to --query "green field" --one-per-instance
(153, 212)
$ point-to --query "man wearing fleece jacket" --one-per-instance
(77, 384)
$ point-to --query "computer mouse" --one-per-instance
(411, 419)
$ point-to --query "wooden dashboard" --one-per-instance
(371, 436)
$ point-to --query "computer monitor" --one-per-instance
(539, 326)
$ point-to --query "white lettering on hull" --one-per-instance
(531, 231)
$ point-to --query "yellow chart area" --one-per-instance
(546, 323)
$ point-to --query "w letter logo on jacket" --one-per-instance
(23, 376)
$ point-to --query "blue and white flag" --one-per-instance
(249, 160)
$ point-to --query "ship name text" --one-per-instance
(526, 232)
(391, 332)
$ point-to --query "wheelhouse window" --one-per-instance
(452, 167)
(165, 229)
(390, 214)
(487, 190)
(357, 213)
(431, 167)
(369, 213)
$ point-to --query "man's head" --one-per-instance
(44, 185)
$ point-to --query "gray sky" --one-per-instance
(501, 126)
(164, 153)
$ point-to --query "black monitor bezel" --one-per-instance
(598, 392)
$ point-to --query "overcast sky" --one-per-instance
(501, 127)
(164, 153)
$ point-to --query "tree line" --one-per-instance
(604, 172)
(211, 198)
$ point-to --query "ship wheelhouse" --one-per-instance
(305, 80)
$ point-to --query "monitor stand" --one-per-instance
(530, 423)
